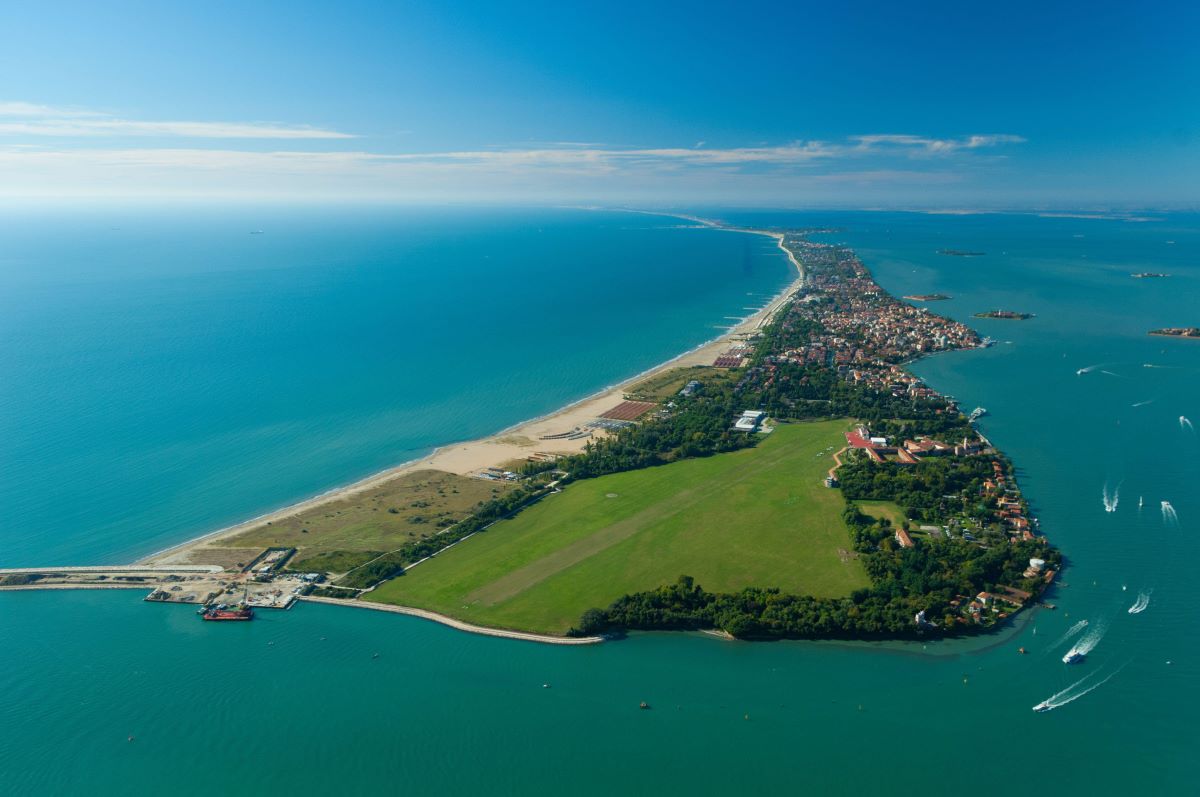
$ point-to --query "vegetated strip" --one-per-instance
(459, 624)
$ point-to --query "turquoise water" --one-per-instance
(165, 374)
(297, 700)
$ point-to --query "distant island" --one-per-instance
(1007, 315)
(1177, 332)
(1141, 275)
(960, 253)
(927, 297)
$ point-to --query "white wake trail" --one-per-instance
(1142, 602)
(1186, 425)
(1068, 695)
(1089, 641)
(1170, 516)
(1072, 631)
(1110, 502)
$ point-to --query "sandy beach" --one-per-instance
(522, 439)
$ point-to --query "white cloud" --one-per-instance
(29, 119)
(878, 142)
(567, 169)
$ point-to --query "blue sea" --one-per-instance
(164, 372)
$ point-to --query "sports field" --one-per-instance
(757, 517)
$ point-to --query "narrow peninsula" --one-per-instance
(790, 479)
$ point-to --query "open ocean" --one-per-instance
(166, 373)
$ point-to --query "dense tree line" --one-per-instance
(905, 581)
(932, 488)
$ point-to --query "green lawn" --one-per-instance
(888, 510)
(758, 517)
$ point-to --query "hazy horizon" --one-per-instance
(1032, 106)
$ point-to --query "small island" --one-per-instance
(928, 297)
(960, 253)
(1142, 275)
(1007, 315)
(1177, 332)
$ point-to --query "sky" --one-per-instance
(797, 104)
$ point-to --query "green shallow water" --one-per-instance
(298, 700)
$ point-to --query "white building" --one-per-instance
(750, 420)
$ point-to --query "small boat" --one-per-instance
(643, 705)
(1073, 657)
(1043, 706)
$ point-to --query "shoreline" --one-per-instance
(464, 457)
(523, 636)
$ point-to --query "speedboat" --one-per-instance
(1043, 706)
(1073, 657)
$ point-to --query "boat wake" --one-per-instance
(1142, 403)
(1143, 601)
(1110, 502)
(1088, 642)
(1170, 516)
(1110, 373)
(1088, 369)
(1074, 691)
(1072, 631)
(1186, 425)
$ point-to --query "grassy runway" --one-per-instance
(758, 517)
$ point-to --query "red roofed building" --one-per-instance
(856, 439)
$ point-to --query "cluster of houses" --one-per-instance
(888, 378)
(863, 326)
(988, 607)
(1010, 506)
(910, 452)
